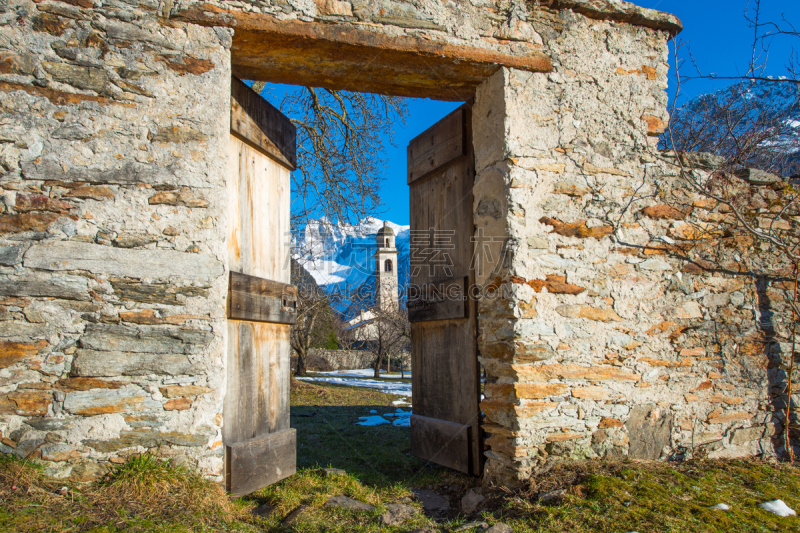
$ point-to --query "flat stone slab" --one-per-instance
(473, 526)
(471, 501)
(396, 514)
(330, 472)
(345, 502)
(432, 501)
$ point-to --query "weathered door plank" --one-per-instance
(445, 381)
(259, 445)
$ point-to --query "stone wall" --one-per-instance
(625, 325)
(609, 339)
(113, 158)
(321, 359)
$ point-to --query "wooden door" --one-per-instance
(260, 447)
(445, 425)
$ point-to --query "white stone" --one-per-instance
(656, 265)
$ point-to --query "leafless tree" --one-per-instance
(317, 322)
(340, 151)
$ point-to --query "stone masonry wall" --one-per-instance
(322, 359)
(113, 155)
(607, 340)
(625, 326)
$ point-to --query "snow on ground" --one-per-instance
(401, 419)
(363, 373)
(372, 421)
(777, 507)
(387, 387)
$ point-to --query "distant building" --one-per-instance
(386, 284)
(363, 327)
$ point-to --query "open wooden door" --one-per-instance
(445, 425)
(260, 447)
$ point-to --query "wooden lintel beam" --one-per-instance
(356, 57)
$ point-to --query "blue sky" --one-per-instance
(715, 30)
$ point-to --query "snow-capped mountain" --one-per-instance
(340, 256)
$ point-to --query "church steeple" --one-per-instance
(386, 269)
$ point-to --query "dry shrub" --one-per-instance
(147, 486)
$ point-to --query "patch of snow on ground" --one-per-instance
(777, 507)
(401, 418)
(720, 507)
(401, 401)
(371, 421)
(363, 373)
(387, 387)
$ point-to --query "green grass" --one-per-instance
(150, 495)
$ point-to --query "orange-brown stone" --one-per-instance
(90, 192)
(38, 202)
(187, 64)
(145, 316)
(182, 198)
(606, 423)
(177, 391)
(655, 126)
(536, 391)
(26, 222)
(553, 284)
(666, 364)
(561, 437)
(717, 417)
(177, 404)
(544, 373)
(83, 384)
(727, 400)
(12, 352)
(664, 212)
(31, 402)
(577, 229)
(590, 393)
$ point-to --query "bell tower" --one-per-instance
(386, 270)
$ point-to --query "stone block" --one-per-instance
(585, 311)
(177, 404)
(554, 285)
(81, 77)
(106, 401)
(577, 229)
(152, 264)
(14, 352)
(649, 431)
(177, 391)
(92, 363)
(745, 435)
(11, 255)
(183, 198)
(26, 222)
(29, 402)
(112, 338)
(130, 174)
(84, 384)
(62, 287)
(590, 393)
(544, 373)
(148, 438)
(38, 202)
